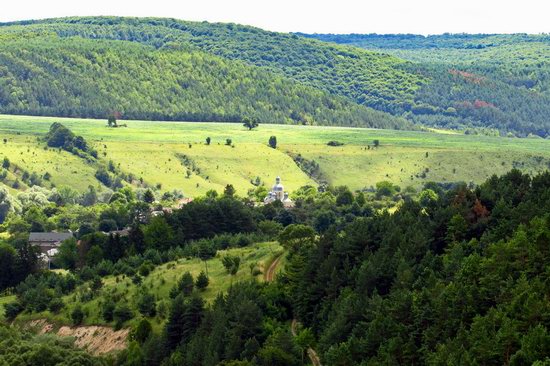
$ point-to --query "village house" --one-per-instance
(49, 244)
(48, 241)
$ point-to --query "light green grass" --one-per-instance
(160, 281)
(29, 154)
(148, 150)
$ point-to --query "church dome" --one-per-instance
(278, 187)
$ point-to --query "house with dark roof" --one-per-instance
(48, 241)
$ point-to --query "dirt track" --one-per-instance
(270, 273)
(313, 356)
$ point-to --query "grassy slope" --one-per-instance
(65, 168)
(162, 279)
(151, 147)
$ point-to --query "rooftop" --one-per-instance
(49, 237)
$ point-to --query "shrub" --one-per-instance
(108, 310)
(13, 309)
(122, 314)
(77, 315)
(147, 305)
(142, 331)
(56, 305)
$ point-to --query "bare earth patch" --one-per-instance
(97, 340)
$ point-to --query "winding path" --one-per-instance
(313, 356)
(270, 273)
(269, 277)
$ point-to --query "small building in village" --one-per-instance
(48, 241)
(49, 244)
(278, 193)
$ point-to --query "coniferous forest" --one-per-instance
(457, 275)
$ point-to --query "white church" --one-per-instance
(278, 193)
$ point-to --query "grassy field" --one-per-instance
(162, 279)
(151, 150)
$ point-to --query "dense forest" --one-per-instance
(226, 72)
(485, 80)
(77, 77)
(457, 275)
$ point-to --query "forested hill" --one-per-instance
(492, 80)
(151, 68)
(53, 76)
(168, 69)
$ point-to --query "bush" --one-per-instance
(142, 331)
(335, 143)
(122, 314)
(147, 305)
(108, 310)
(77, 315)
(56, 305)
(186, 284)
(145, 269)
(12, 309)
(231, 264)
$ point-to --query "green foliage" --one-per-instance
(149, 197)
(386, 189)
(483, 81)
(186, 284)
(273, 142)
(231, 264)
(250, 123)
(202, 281)
(107, 310)
(142, 331)
(146, 304)
(77, 315)
(452, 278)
(20, 348)
(181, 63)
(122, 314)
(295, 236)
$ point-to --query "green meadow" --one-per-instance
(161, 280)
(153, 150)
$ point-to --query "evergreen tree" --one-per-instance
(202, 281)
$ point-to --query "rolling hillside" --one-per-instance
(496, 81)
(167, 69)
(163, 153)
(152, 69)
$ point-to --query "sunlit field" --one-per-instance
(153, 150)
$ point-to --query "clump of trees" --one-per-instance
(61, 137)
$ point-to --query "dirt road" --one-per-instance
(269, 277)
(313, 356)
(270, 273)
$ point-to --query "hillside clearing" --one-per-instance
(153, 150)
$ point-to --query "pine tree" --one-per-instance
(202, 281)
